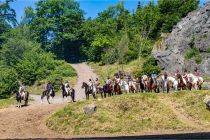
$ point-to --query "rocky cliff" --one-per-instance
(188, 45)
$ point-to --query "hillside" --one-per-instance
(109, 70)
(188, 45)
(135, 114)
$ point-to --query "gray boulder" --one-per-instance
(90, 109)
(193, 31)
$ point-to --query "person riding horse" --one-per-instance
(154, 77)
(185, 75)
(97, 83)
(90, 84)
(48, 87)
(67, 87)
(21, 88)
(196, 72)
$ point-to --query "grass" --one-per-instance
(128, 114)
(6, 102)
(110, 70)
(192, 105)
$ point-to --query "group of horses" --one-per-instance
(25, 97)
(118, 86)
(144, 84)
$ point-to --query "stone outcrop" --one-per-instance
(193, 31)
(89, 109)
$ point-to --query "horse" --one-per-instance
(131, 87)
(107, 89)
(182, 84)
(165, 84)
(71, 92)
(117, 88)
(196, 81)
(145, 82)
(100, 90)
(20, 97)
(152, 84)
(89, 90)
(49, 94)
(124, 86)
(174, 82)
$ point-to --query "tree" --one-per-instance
(173, 10)
(57, 26)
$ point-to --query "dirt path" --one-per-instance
(30, 121)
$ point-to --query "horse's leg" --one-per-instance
(42, 96)
(48, 97)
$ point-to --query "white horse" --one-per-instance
(124, 85)
(195, 80)
(131, 84)
(174, 82)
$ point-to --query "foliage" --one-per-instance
(8, 80)
(190, 53)
(60, 29)
(23, 59)
(149, 66)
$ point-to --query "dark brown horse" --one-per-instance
(117, 88)
(88, 90)
(152, 84)
(183, 84)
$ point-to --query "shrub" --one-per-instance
(191, 53)
(149, 66)
(8, 80)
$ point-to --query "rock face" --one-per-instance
(89, 109)
(192, 31)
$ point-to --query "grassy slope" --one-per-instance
(134, 113)
(109, 70)
(6, 102)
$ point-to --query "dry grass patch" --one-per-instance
(192, 105)
(117, 115)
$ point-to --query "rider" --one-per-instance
(176, 73)
(185, 75)
(21, 88)
(108, 81)
(67, 87)
(154, 75)
(196, 73)
(48, 87)
(90, 84)
(117, 78)
(97, 83)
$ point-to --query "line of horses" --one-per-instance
(144, 84)
(116, 87)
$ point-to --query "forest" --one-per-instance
(56, 32)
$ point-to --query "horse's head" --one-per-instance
(84, 85)
(178, 76)
(15, 91)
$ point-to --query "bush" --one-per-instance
(8, 80)
(208, 50)
(191, 53)
(198, 59)
(149, 66)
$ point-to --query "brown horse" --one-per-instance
(117, 88)
(182, 84)
(152, 84)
